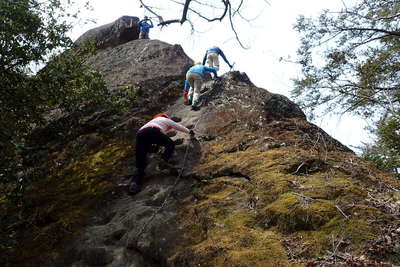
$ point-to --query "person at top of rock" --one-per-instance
(212, 57)
(195, 79)
(154, 133)
(145, 28)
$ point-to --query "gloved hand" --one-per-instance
(191, 133)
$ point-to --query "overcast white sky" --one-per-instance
(269, 37)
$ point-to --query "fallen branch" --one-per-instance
(298, 168)
(341, 211)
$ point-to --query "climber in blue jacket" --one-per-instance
(212, 57)
(145, 28)
(194, 78)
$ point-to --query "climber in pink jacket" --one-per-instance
(153, 132)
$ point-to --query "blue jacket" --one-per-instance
(144, 26)
(217, 50)
(202, 70)
(186, 87)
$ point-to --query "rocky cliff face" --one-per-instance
(260, 186)
(122, 30)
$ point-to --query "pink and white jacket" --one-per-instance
(165, 125)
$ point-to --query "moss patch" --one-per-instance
(275, 216)
(60, 203)
(297, 212)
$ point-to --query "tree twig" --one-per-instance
(341, 211)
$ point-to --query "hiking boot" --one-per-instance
(195, 108)
(187, 102)
(134, 188)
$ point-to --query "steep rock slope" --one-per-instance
(260, 185)
(80, 156)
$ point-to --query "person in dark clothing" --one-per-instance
(153, 133)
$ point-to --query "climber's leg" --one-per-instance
(214, 61)
(198, 82)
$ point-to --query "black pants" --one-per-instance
(144, 139)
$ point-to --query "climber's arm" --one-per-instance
(178, 127)
(204, 59)
(225, 59)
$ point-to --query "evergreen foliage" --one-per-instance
(34, 33)
(350, 63)
(385, 151)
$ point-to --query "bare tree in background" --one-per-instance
(206, 10)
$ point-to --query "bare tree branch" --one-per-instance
(387, 88)
(233, 28)
(164, 23)
(190, 7)
(372, 29)
(150, 9)
(267, 2)
(238, 8)
(184, 16)
(185, 10)
(344, 4)
(369, 40)
(389, 18)
(205, 4)
(198, 13)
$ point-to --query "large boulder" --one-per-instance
(156, 69)
(139, 61)
(122, 30)
(260, 186)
